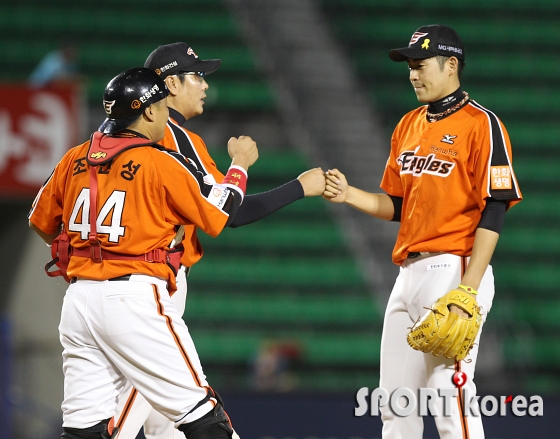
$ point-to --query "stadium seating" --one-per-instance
(114, 35)
(286, 279)
(510, 69)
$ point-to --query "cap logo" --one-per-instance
(108, 106)
(135, 104)
(167, 67)
(416, 36)
(426, 44)
(191, 52)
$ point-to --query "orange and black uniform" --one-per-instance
(143, 194)
(253, 208)
(445, 171)
(448, 175)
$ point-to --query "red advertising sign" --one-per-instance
(37, 126)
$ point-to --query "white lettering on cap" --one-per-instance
(168, 66)
(450, 49)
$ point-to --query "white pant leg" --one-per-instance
(158, 426)
(399, 364)
(420, 283)
(137, 332)
(130, 416)
(91, 383)
(179, 297)
(131, 413)
(441, 370)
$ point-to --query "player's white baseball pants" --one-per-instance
(114, 332)
(133, 411)
(420, 283)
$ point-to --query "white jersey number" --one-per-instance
(114, 204)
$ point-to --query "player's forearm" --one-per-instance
(484, 245)
(258, 206)
(378, 205)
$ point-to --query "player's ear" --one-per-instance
(172, 82)
(452, 65)
(149, 113)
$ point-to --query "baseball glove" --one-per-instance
(442, 332)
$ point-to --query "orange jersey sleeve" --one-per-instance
(445, 171)
(143, 194)
(193, 148)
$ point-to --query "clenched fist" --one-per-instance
(313, 182)
(243, 151)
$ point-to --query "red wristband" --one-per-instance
(236, 176)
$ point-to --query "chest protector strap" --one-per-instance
(107, 148)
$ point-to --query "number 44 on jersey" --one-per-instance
(112, 209)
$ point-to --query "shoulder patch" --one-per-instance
(501, 177)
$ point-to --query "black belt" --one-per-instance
(126, 277)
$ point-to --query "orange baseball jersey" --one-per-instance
(142, 195)
(193, 148)
(445, 171)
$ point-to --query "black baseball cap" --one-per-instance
(431, 40)
(172, 59)
(127, 95)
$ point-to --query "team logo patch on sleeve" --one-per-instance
(218, 196)
(501, 177)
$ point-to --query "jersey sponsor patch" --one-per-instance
(439, 266)
(218, 196)
(417, 165)
(501, 177)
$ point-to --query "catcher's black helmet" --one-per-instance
(127, 95)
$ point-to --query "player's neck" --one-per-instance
(446, 102)
(176, 115)
(447, 105)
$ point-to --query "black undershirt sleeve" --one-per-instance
(232, 205)
(257, 206)
(397, 204)
(493, 215)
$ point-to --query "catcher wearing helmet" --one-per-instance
(119, 198)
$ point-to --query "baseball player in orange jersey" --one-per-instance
(449, 181)
(119, 198)
(184, 73)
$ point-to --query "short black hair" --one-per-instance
(442, 59)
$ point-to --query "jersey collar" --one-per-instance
(176, 116)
